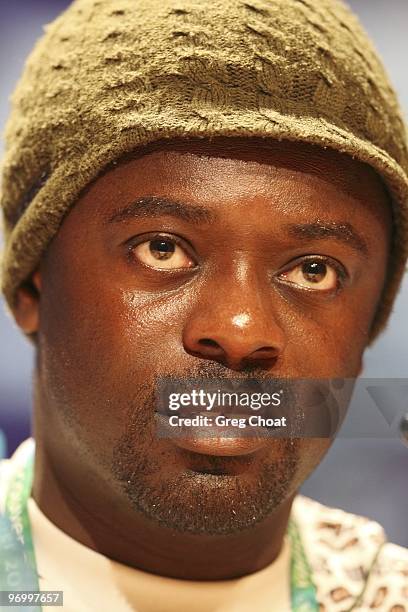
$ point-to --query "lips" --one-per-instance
(211, 439)
(220, 447)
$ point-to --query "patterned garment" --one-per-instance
(354, 568)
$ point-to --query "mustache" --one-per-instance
(212, 369)
(144, 402)
(213, 376)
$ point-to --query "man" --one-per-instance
(212, 190)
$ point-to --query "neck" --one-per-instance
(121, 534)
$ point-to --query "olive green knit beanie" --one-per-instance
(111, 75)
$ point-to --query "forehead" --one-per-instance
(237, 168)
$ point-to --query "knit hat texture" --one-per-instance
(110, 76)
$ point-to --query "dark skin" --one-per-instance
(277, 272)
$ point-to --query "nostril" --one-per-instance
(209, 342)
(266, 349)
(265, 352)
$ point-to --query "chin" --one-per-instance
(212, 495)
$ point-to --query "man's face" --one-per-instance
(202, 260)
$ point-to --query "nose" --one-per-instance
(235, 325)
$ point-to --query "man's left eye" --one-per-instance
(313, 274)
(163, 254)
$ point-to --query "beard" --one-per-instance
(200, 494)
(211, 503)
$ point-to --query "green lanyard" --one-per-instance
(18, 569)
(302, 589)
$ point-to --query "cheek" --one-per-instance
(327, 342)
(152, 328)
(99, 373)
(100, 347)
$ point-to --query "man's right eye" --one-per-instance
(163, 253)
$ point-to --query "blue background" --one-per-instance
(366, 476)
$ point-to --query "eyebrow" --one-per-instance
(155, 206)
(319, 230)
